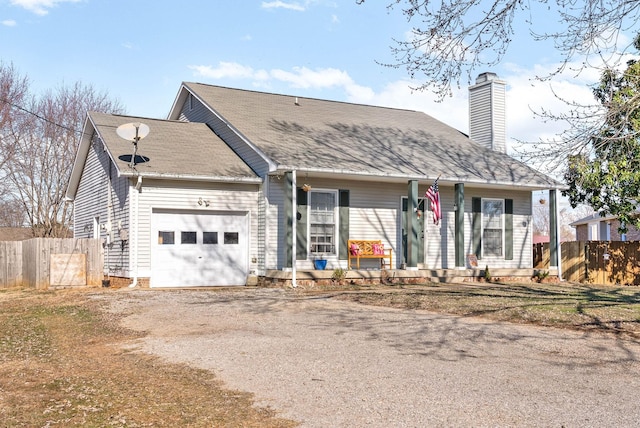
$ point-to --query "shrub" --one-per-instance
(339, 274)
(487, 274)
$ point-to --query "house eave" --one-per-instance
(79, 160)
(403, 178)
(185, 177)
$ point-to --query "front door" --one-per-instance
(421, 214)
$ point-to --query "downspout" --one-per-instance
(294, 227)
(109, 208)
(134, 234)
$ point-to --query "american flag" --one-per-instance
(433, 194)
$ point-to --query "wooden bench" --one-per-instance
(368, 249)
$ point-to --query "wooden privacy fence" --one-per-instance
(598, 262)
(43, 262)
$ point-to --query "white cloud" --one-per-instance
(40, 7)
(278, 4)
(9, 23)
(302, 77)
(298, 77)
(224, 70)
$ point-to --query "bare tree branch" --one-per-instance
(42, 134)
(452, 39)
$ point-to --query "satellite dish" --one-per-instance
(133, 131)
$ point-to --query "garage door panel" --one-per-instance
(199, 249)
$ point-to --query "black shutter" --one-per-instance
(508, 229)
(476, 221)
(343, 219)
(301, 229)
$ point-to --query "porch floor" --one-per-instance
(399, 276)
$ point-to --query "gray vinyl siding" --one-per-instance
(440, 239)
(275, 228)
(101, 193)
(487, 113)
(374, 213)
(195, 111)
(184, 196)
(87, 203)
(440, 252)
(500, 116)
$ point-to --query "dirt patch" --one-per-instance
(62, 364)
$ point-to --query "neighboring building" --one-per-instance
(596, 227)
(540, 239)
(238, 184)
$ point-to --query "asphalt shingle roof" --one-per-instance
(315, 134)
(172, 149)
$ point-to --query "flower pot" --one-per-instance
(320, 264)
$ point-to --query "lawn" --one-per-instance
(62, 363)
(573, 306)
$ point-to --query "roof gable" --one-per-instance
(172, 149)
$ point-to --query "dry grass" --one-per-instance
(60, 365)
(574, 306)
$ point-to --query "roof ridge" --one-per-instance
(142, 117)
(306, 97)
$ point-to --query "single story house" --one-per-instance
(237, 185)
(597, 227)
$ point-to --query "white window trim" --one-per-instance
(336, 217)
(502, 214)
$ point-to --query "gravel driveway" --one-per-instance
(329, 363)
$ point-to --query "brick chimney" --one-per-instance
(487, 112)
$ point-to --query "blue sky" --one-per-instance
(141, 50)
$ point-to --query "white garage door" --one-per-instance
(199, 249)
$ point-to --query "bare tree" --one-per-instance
(43, 137)
(14, 90)
(11, 213)
(451, 39)
(540, 222)
(541, 217)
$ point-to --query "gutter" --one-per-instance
(183, 177)
(547, 184)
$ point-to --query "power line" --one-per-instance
(19, 107)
